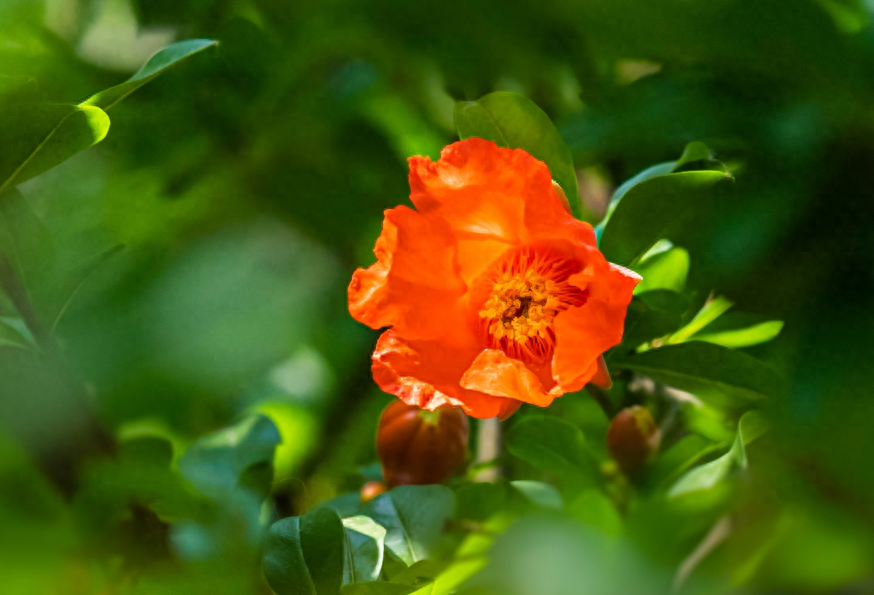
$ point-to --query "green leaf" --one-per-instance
(650, 315)
(304, 555)
(710, 371)
(667, 269)
(540, 494)
(377, 588)
(675, 461)
(37, 137)
(660, 169)
(157, 64)
(365, 548)
(76, 280)
(216, 463)
(10, 337)
(413, 517)
(453, 577)
(655, 209)
(594, 508)
(25, 241)
(739, 329)
(551, 444)
(479, 501)
(750, 427)
(514, 121)
(694, 151)
(712, 310)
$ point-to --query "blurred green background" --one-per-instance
(248, 182)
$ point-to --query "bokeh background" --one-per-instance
(248, 182)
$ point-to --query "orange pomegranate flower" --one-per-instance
(495, 295)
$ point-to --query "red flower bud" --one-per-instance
(371, 490)
(420, 447)
(633, 438)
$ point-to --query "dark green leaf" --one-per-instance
(550, 444)
(479, 501)
(25, 240)
(514, 121)
(650, 315)
(216, 463)
(710, 371)
(413, 517)
(156, 65)
(77, 278)
(304, 555)
(655, 209)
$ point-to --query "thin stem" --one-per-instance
(488, 448)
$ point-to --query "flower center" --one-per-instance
(526, 289)
(521, 306)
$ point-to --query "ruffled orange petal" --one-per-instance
(481, 189)
(493, 373)
(585, 332)
(415, 282)
(426, 374)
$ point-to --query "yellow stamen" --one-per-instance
(521, 306)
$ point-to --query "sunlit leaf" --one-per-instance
(512, 120)
(304, 555)
(365, 548)
(739, 329)
(750, 427)
(540, 494)
(710, 312)
(37, 137)
(666, 270)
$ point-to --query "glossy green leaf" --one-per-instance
(365, 548)
(660, 169)
(710, 371)
(680, 457)
(413, 517)
(540, 494)
(216, 463)
(712, 310)
(694, 151)
(512, 120)
(550, 444)
(750, 427)
(156, 65)
(304, 555)
(667, 269)
(655, 209)
(739, 329)
(37, 137)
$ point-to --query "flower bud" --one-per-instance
(633, 438)
(371, 490)
(420, 447)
